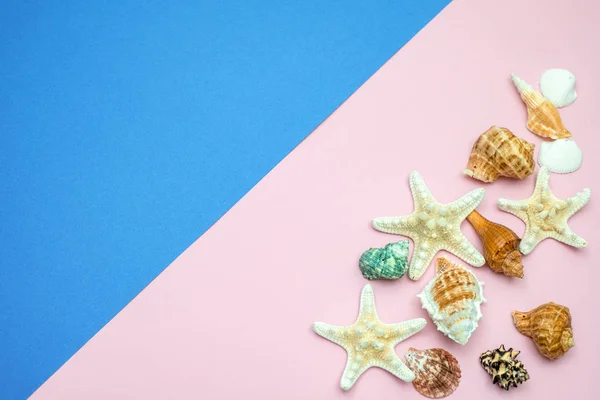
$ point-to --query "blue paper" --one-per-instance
(128, 128)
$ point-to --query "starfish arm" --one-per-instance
(542, 182)
(571, 238)
(395, 225)
(367, 303)
(353, 370)
(336, 334)
(531, 239)
(467, 203)
(421, 258)
(514, 207)
(396, 367)
(577, 202)
(465, 250)
(420, 191)
(403, 330)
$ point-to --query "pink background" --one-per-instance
(231, 317)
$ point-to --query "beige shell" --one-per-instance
(437, 372)
(549, 325)
(498, 152)
(543, 118)
(453, 300)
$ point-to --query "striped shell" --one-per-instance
(549, 325)
(498, 152)
(437, 372)
(543, 118)
(453, 300)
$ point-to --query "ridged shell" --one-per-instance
(500, 245)
(561, 156)
(558, 86)
(504, 368)
(549, 325)
(453, 300)
(437, 372)
(498, 152)
(543, 118)
(389, 262)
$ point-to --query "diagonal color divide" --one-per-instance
(127, 129)
(231, 317)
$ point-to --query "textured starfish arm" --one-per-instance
(464, 249)
(542, 182)
(406, 329)
(367, 303)
(355, 367)
(336, 334)
(420, 191)
(531, 239)
(396, 367)
(515, 207)
(422, 256)
(466, 204)
(571, 238)
(577, 202)
(395, 225)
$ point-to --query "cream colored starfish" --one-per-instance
(369, 342)
(545, 216)
(434, 226)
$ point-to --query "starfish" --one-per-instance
(434, 226)
(545, 216)
(369, 342)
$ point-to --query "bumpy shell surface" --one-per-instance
(500, 245)
(504, 368)
(389, 262)
(437, 372)
(549, 325)
(453, 300)
(561, 156)
(558, 86)
(498, 152)
(543, 118)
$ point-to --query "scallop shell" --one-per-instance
(549, 325)
(453, 300)
(437, 372)
(389, 262)
(543, 118)
(561, 156)
(558, 86)
(498, 152)
(500, 245)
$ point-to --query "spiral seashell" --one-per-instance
(558, 86)
(498, 152)
(437, 372)
(549, 325)
(500, 245)
(504, 368)
(543, 117)
(389, 262)
(453, 300)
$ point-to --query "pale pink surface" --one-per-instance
(231, 317)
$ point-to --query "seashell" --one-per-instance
(558, 86)
(453, 300)
(500, 245)
(498, 152)
(543, 118)
(437, 372)
(389, 262)
(549, 325)
(504, 368)
(561, 156)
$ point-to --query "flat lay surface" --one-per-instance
(232, 316)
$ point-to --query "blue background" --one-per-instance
(128, 128)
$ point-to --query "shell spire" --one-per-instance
(500, 245)
(549, 325)
(543, 117)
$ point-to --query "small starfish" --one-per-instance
(369, 342)
(545, 216)
(434, 226)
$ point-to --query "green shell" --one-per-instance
(389, 262)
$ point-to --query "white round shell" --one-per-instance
(558, 86)
(561, 156)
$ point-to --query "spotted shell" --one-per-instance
(543, 118)
(498, 152)
(549, 325)
(437, 372)
(500, 245)
(453, 300)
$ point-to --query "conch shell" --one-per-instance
(500, 245)
(543, 117)
(498, 152)
(549, 325)
(453, 300)
(437, 372)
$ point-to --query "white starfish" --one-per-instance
(545, 216)
(369, 342)
(434, 226)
